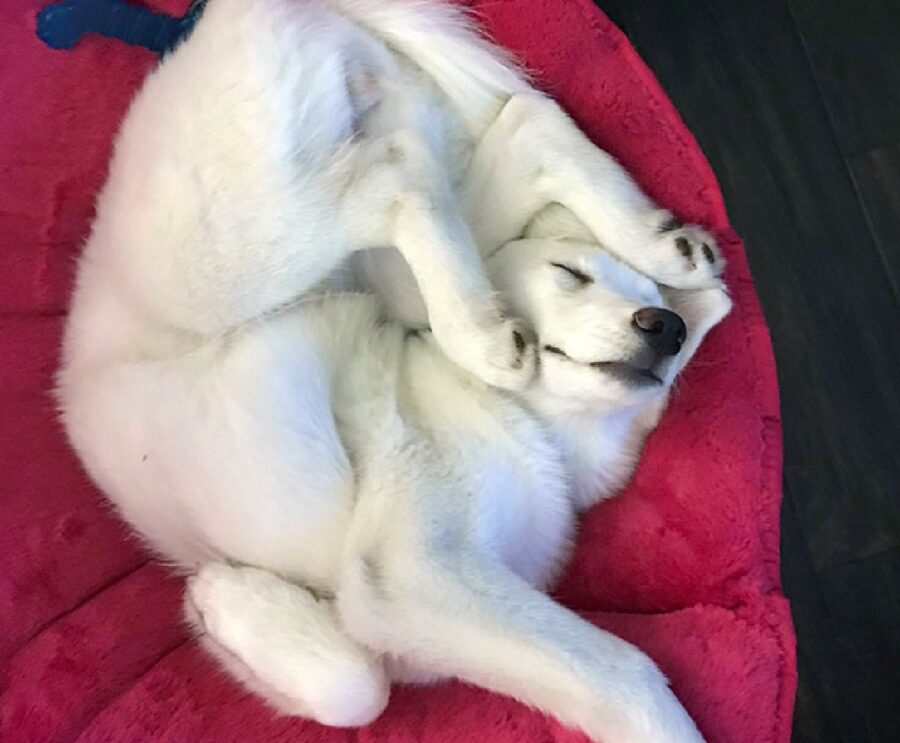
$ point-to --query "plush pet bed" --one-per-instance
(684, 563)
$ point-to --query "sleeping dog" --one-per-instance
(363, 322)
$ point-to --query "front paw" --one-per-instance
(501, 353)
(509, 360)
(688, 257)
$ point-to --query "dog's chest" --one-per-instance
(509, 492)
(523, 514)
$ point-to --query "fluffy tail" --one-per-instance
(440, 38)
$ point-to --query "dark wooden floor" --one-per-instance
(797, 105)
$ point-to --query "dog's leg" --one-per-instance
(216, 211)
(485, 625)
(286, 645)
(263, 185)
(534, 155)
(398, 195)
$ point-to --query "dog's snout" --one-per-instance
(662, 330)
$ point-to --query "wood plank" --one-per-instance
(877, 177)
(855, 54)
(739, 74)
(864, 598)
(827, 707)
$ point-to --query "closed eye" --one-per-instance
(580, 276)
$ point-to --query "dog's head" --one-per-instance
(607, 335)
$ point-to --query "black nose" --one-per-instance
(664, 331)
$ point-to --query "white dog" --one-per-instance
(358, 502)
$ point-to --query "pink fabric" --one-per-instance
(685, 563)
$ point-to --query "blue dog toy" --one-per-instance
(61, 25)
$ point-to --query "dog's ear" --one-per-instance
(558, 223)
(701, 310)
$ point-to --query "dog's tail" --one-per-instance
(441, 39)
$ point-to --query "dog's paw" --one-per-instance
(286, 645)
(211, 595)
(687, 257)
(509, 358)
(501, 352)
(653, 716)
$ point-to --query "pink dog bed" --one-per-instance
(684, 563)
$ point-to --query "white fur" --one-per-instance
(358, 503)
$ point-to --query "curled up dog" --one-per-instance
(364, 321)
